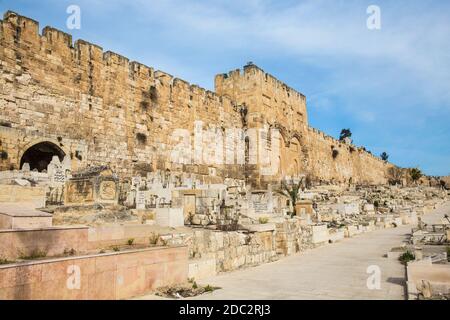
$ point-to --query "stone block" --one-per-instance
(337, 236)
(347, 208)
(260, 227)
(319, 234)
(351, 231)
(202, 268)
(169, 217)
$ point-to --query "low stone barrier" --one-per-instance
(49, 241)
(427, 278)
(202, 268)
(113, 235)
(231, 250)
(25, 221)
(109, 276)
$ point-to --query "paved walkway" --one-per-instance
(336, 271)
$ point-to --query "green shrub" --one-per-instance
(263, 220)
(69, 252)
(5, 261)
(209, 288)
(116, 249)
(153, 239)
(407, 257)
(130, 241)
(35, 254)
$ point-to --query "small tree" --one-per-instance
(345, 133)
(384, 156)
(415, 174)
(291, 191)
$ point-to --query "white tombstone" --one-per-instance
(188, 183)
(59, 176)
(67, 163)
(136, 181)
(319, 234)
(55, 163)
(26, 167)
(140, 200)
(130, 198)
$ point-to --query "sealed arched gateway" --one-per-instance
(41, 154)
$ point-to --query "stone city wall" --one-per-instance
(271, 103)
(350, 162)
(100, 108)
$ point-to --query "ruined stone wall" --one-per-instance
(97, 106)
(232, 250)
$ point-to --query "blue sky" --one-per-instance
(390, 86)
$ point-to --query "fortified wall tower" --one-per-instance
(268, 102)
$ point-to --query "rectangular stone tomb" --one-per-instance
(23, 218)
(320, 234)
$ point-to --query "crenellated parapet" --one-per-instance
(266, 97)
(125, 113)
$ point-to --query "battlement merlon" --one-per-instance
(261, 91)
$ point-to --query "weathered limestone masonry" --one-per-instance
(271, 103)
(99, 108)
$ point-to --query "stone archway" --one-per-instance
(40, 155)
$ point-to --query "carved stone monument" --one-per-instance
(92, 185)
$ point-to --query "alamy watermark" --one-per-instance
(374, 19)
(374, 280)
(74, 19)
(219, 146)
(74, 279)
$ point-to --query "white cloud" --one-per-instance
(396, 77)
(413, 42)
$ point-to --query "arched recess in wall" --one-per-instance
(292, 156)
(302, 152)
(39, 155)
